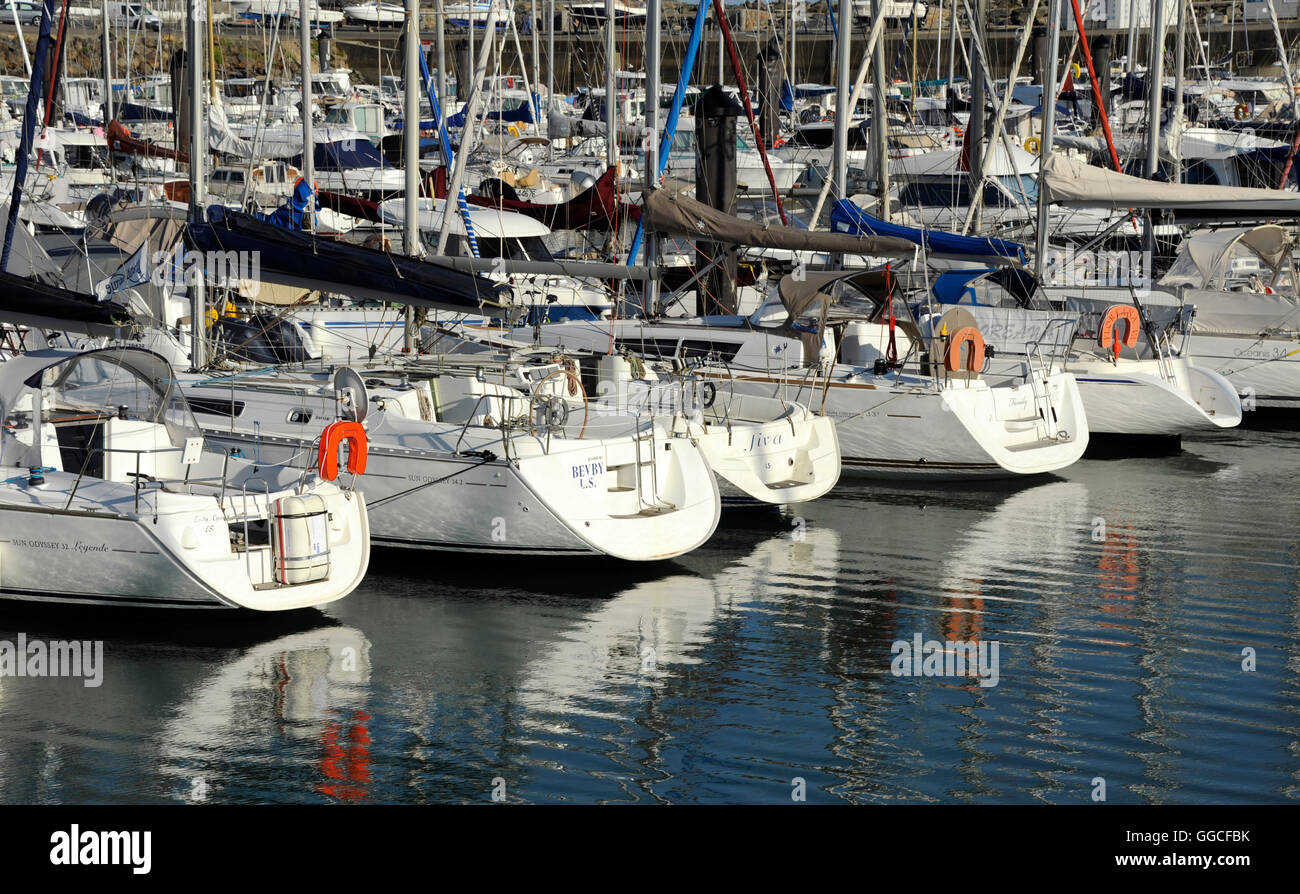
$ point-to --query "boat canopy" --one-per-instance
(1209, 260)
(343, 155)
(847, 217)
(1241, 280)
(1071, 182)
(827, 296)
(106, 382)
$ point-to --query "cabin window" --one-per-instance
(299, 415)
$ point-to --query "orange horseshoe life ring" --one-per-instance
(1107, 332)
(335, 434)
(1241, 112)
(952, 356)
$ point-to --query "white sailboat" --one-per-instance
(116, 502)
(374, 13)
(890, 423)
(1246, 326)
(459, 464)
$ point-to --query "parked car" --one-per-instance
(29, 13)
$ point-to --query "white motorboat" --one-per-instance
(374, 13)
(114, 500)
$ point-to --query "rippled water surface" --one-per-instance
(762, 659)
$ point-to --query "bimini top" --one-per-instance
(102, 380)
(1207, 261)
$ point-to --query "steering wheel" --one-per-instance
(532, 404)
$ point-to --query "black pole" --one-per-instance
(29, 126)
(715, 185)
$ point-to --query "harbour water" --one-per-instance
(1128, 599)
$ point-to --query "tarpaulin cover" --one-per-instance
(27, 302)
(343, 155)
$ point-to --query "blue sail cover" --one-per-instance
(849, 218)
(343, 155)
(524, 113)
(293, 212)
(132, 111)
(787, 96)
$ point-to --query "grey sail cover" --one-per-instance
(683, 216)
(1071, 182)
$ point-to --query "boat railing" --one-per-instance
(245, 516)
(143, 480)
(504, 426)
(1057, 335)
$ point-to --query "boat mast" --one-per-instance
(108, 64)
(1048, 104)
(194, 58)
(537, 67)
(1176, 113)
(411, 150)
(440, 19)
(879, 121)
(308, 142)
(212, 53)
(22, 42)
(1131, 58)
(450, 205)
(550, 68)
(611, 92)
(843, 111)
(793, 39)
(975, 124)
(684, 73)
(877, 30)
(1155, 96)
(28, 128)
(952, 56)
(651, 178)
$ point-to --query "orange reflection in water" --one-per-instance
(1119, 573)
(346, 758)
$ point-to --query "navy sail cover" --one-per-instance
(847, 217)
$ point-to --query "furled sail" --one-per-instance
(1071, 182)
(847, 217)
(297, 258)
(30, 303)
(682, 216)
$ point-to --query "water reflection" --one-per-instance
(1121, 596)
